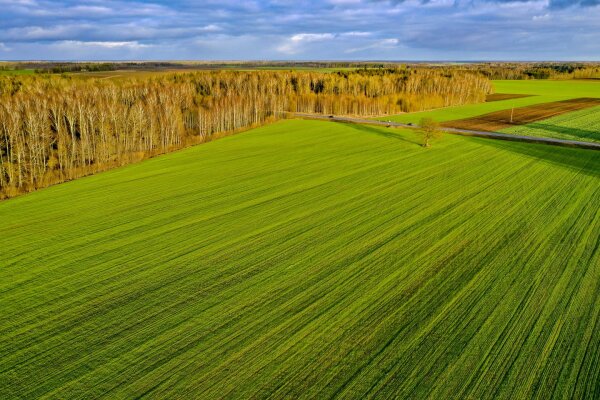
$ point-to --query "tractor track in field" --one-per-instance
(309, 259)
(457, 131)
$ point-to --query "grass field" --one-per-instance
(581, 125)
(543, 91)
(309, 259)
(537, 113)
(17, 72)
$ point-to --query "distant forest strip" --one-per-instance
(520, 71)
(54, 128)
(492, 70)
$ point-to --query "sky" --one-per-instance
(300, 30)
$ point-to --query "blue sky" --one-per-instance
(300, 30)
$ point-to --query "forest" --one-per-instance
(492, 70)
(522, 71)
(55, 128)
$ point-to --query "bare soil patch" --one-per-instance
(523, 115)
(504, 96)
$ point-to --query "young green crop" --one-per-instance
(542, 92)
(17, 72)
(583, 125)
(309, 260)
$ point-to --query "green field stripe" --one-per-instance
(467, 308)
(580, 125)
(541, 91)
(308, 259)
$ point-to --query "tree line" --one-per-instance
(492, 70)
(522, 71)
(57, 128)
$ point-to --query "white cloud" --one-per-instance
(295, 43)
(389, 43)
(300, 29)
(91, 9)
(311, 37)
(42, 33)
(18, 2)
(543, 17)
(344, 2)
(4, 47)
(106, 45)
(210, 28)
(356, 34)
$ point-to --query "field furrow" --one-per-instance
(309, 259)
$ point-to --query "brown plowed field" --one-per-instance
(523, 115)
(504, 96)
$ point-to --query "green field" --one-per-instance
(309, 259)
(17, 72)
(583, 125)
(542, 92)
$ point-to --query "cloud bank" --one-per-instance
(301, 29)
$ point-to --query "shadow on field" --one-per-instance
(572, 132)
(580, 160)
(387, 133)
